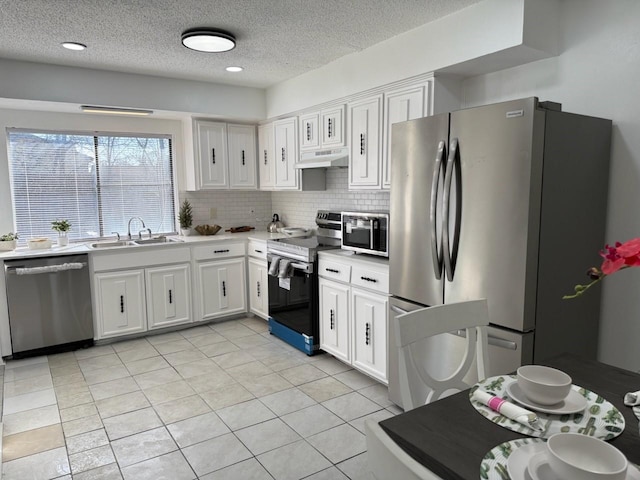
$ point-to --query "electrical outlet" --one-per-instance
(213, 213)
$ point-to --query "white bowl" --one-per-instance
(573, 456)
(543, 385)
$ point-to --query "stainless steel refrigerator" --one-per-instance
(505, 202)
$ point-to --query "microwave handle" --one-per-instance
(371, 235)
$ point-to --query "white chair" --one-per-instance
(386, 460)
(412, 329)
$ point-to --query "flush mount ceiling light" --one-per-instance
(234, 69)
(73, 46)
(208, 40)
(115, 111)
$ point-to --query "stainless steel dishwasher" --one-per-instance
(49, 304)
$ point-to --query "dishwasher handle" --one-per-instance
(62, 267)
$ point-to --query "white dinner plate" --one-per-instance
(538, 469)
(574, 402)
(519, 460)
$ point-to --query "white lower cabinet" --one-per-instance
(258, 287)
(221, 288)
(353, 295)
(168, 296)
(369, 332)
(334, 319)
(120, 303)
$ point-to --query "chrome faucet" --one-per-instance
(129, 226)
(117, 235)
(148, 230)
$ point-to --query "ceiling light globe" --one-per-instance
(210, 41)
(74, 46)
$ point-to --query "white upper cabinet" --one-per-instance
(242, 156)
(365, 143)
(399, 106)
(286, 153)
(266, 161)
(211, 151)
(322, 129)
(224, 156)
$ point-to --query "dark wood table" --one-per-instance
(450, 437)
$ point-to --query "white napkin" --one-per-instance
(632, 399)
(508, 409)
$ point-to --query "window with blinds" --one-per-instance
(97, 182)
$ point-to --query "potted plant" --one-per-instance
(8, 241)
(185, 218)
(62, 227)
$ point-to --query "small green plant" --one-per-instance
(61, 226)
(185, 215)
(7, 237)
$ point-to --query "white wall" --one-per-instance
(597, 73)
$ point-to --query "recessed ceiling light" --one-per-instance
(73, 46)
(234, 69)
(208, 40)
(115, 110)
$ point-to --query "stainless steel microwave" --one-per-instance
(366, 232)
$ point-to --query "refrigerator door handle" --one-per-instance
(435, 181)
(493, 340)
(448, 178)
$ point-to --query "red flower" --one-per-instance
(622, 255)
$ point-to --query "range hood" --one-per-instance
(337, 157)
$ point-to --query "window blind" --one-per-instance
(97, 182)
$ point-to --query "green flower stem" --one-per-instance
(580, 289)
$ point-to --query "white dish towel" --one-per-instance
(632, 399)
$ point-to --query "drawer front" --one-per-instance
(219, 250)
(371, 279)
(257, 249)
(334, 270)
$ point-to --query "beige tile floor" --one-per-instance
(220, 401)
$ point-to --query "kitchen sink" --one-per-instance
(151, 241)
(118, 243)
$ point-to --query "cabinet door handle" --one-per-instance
(213, 156)
(257, 251)
(367, 279)
(362, 144)
(308, 132)
(258, 288)
(121, 303)
(283, 154)
(329, 128)
(221, 251)
(243, 157)
(265, 156)
(367, 334)
(332, 270)
(332, 316)
(170, 297)
(224, 289)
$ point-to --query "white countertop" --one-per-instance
(83, 247)
(353, 256)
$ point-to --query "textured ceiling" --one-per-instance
(277, 39)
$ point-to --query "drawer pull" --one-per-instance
(332, 270)
(367, 279)
(221, 251)
(257, 251)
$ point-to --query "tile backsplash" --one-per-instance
(233, 208)
(296, 209)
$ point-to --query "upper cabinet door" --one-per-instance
(333, 127)
(266, 163)
(211, 144)
(309, 131)
(286, 154)
(399, 106)
(242, 156)
(365, 119)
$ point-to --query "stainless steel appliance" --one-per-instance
(49, 302)
(366, 232)
(293, 283)
(504, 202)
